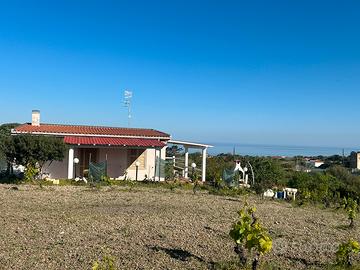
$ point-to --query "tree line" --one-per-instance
(327, 186)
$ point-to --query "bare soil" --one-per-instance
(146, 228)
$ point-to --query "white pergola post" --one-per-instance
(188, 145)
(203, 167)
(71, 164)
(186, 162)
(157, 161)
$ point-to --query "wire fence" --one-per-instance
(3, 164)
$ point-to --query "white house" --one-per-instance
(130, 152)
(316, 163)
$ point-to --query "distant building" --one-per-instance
(315, 163)
(355, 160)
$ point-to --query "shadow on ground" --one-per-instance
(178, 254)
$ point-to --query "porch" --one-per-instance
(184, 166)
(126, 158)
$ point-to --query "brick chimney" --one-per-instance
(35, 118)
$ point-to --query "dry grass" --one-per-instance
(70, 227)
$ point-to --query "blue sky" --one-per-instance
(263, 72)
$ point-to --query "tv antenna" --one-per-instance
(127, 103)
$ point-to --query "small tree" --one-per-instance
(345, 252)
(5, 134)
(268, 172)
(249, 235)
(33, 152)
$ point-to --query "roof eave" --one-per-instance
(190, 144)
(14, 132)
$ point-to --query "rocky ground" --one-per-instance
(146, 228)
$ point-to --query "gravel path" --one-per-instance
(70, 227)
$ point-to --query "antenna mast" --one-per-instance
(127, 103)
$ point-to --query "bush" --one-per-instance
(316, 188)
(350, 184)
(268, 172)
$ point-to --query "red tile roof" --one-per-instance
(111, 141)
(90, 130)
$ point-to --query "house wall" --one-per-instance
(143, 170)
(57, 169)
(117, 161)
(149, 169)
(117, 164)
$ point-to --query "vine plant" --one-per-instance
(345, 252)
(106, 263)
(195, 180)
(250, 235)
(351, 207)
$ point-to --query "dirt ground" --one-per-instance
(146, 228)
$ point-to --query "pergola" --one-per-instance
(190, 145)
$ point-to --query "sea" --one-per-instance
(278, 150)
